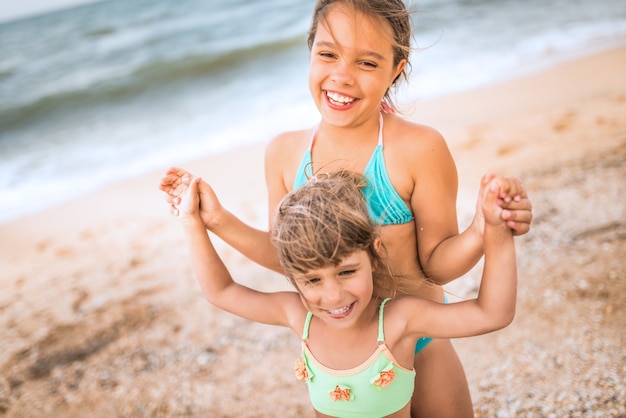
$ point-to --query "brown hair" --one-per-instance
(394, 12)
(325, 220)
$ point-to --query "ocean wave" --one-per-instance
(148, 76)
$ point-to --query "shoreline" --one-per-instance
(431, 111)
(103, 316)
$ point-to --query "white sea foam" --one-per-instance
(115, 89)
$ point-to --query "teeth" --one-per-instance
(339, 98)
(340, 310)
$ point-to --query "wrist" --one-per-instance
(497, 233)
(191, 222)
(216, 220)
(476, 231)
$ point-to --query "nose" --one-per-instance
(333, 291)
(342, 73)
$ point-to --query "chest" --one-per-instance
(328, 158)
(344, 350)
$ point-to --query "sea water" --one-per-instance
(110, 90)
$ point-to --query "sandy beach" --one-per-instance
(101, 316)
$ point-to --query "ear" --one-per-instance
(378, 244)
(399, 68)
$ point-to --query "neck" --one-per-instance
(361, 132)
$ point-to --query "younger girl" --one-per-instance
(359, 50)
(357, 342)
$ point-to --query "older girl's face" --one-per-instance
(351, 65)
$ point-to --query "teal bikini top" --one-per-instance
(377, 388)
(384, 203)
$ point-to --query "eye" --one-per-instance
(348, 272)
(369, 65)
(312, 281)
(327, 55)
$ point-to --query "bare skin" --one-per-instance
(437, 365)
(326, 290)
(348, 78)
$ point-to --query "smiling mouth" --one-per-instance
(338, 99)
(341, 311)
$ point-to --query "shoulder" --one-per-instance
(288, 143)
(402, 133)
(407, 311)
(296, 313)
(282, 159)
(403, 306)
(400, 315)
(414, 153)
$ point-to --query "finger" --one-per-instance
(487, 178)
(518, 216)
(178, 191)
(521, 204)
(518, 228)
(504, 187)
(175, 172)
(172, 200)
(173, 178)
(490, 205)
(174, 211)
(169, 185)
(193, 186)
(510, 188)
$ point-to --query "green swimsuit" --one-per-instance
(377, 388)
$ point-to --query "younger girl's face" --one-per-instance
(339, 294)
(351, 65)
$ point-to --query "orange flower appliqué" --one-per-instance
(340, 394)
(384, 378)
(300, 370)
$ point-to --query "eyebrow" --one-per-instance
(364, 52)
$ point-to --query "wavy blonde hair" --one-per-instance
(324, 221)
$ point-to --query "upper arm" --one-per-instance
(267, 308)
(433, 199)
(425, 318)
(282, 159)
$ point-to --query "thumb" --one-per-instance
(491, 209)
(493, 190)
(193, 186)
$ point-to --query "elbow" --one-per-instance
(214, 296)
(504, 320)
(507, 321)
(437, 277)
(212, 299)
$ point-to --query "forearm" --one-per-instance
(251, 242)
(454, 256)
(498, 289)
(209, 269)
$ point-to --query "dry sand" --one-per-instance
(100, 315)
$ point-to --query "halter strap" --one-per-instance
(380, 132)
(381, 332)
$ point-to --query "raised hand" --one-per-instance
(512, 198)
(176, 181)
(490, 203)
(188, 208)
(517, 207)
(173, 184)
